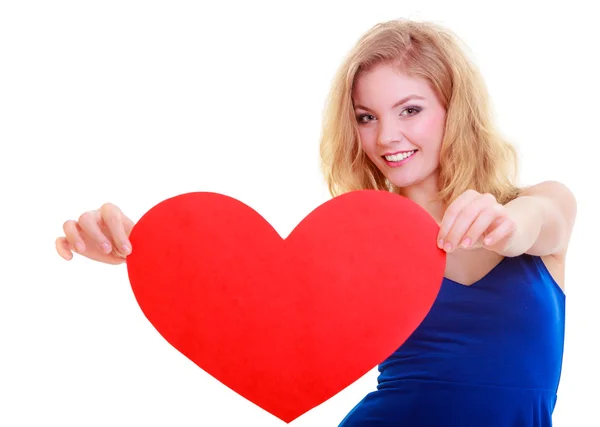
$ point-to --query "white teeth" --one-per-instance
(399, 156)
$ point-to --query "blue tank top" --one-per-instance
(486, 355)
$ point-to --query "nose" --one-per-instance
(389, 133)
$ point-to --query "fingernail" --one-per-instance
(487, 241)
(441, 243)
(466, 242)
(79, 247)
(106, 247)
(447, 247)
(126, 249)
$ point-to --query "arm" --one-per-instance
(538, 222)
(544, 215)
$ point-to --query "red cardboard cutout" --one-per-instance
(286, 323)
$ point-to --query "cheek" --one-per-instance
(368, 143)
(428, 133)
(367, 140)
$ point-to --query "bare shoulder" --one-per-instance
(549, 188)
(558, 197)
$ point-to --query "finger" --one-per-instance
(113, 218)
(129, 224)
(90, 224)
(467, 216)
(73, 237)
(505, 229)
(482, 223)
(63, 248)
(452, 213)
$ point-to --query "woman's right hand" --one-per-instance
(101, 235)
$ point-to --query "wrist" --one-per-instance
(528, 215)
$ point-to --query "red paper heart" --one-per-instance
(286, 323)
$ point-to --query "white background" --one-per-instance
(134, 102)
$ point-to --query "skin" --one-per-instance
(100, 235)
(475, 230)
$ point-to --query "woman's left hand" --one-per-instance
(476, 220)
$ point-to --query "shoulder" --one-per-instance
(555, 191)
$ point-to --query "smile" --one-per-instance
(398, 157)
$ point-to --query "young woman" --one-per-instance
(409, 113)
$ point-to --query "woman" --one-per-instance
(409, 113)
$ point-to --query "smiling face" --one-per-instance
(401, 124)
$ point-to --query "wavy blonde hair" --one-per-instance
(473, 153)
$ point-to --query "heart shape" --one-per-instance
(286, 323)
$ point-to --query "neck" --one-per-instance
(424, 194)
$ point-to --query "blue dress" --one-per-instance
(486, 355)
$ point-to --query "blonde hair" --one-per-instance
(473, 153)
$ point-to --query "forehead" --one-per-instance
(385, 83)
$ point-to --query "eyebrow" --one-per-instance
(397, 104)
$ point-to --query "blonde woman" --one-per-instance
(408, 113)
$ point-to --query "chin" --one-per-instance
(403, 183)
(403, 180)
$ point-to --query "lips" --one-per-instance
(399, 156)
